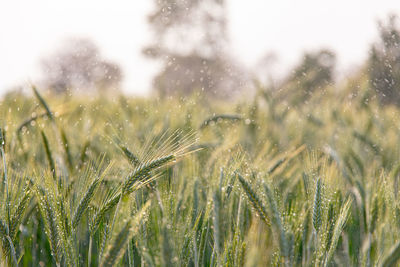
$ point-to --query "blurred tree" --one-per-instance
(265, 70)
(191, 42)
(78, 66)
(315, 72)
(384, 62)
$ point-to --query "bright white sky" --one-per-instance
(30, 30)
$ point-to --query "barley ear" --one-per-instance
(277, 221)
(100, 215)
(317, 209)
(49, 217)
(130, 156)
(118, 246)
(340, 222)
(142, 171)
(220, 117)
(3, 237)
(330, 225)
(116, 251)
(19, 212)
(254, 199)
(84, 203)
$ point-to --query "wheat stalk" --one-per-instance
(49, 155)
(43, 103)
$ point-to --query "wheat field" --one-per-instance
(191, 182)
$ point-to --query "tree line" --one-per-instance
(191, 42)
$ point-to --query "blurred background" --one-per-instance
(219, 47)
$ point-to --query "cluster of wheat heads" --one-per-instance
(85, 212)
(105, 183)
